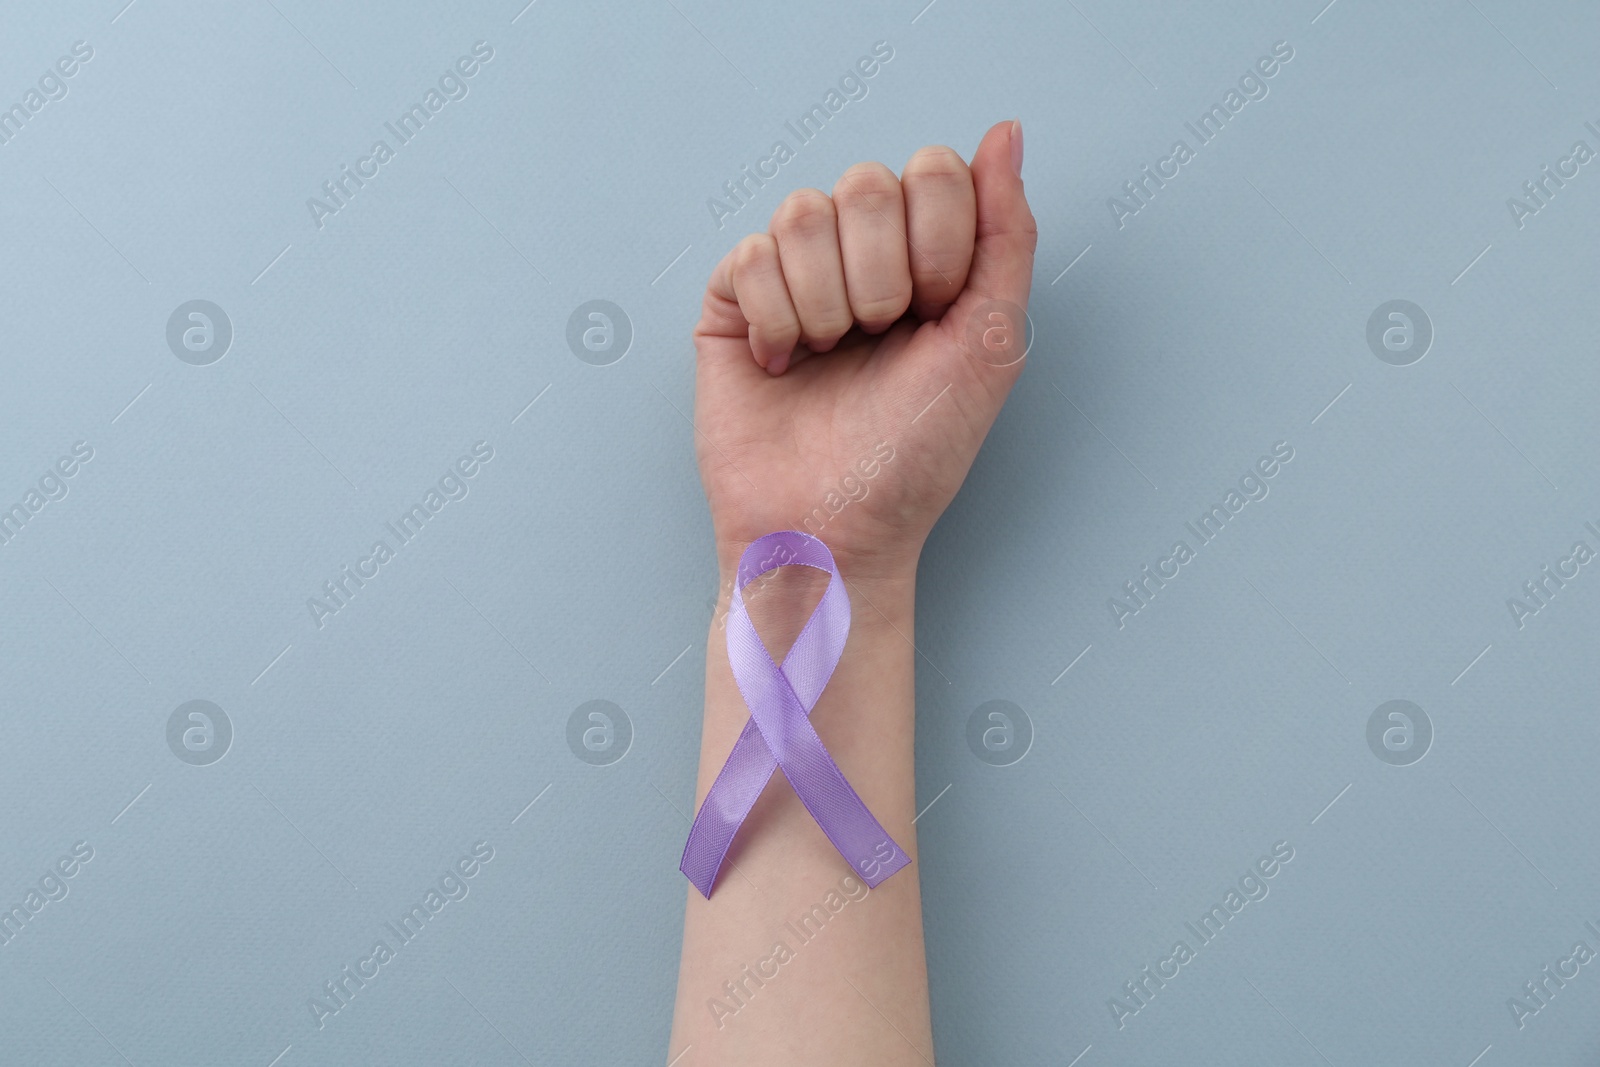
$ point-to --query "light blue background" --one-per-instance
(427, 715)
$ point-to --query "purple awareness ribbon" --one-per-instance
(780, 734)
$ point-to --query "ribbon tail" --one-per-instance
(844, 817)
(728, 802)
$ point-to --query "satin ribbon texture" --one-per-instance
(779, 732)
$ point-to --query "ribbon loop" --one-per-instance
(780, 734)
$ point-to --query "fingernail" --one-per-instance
(1016, 146)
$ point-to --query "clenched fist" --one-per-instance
(886, 319)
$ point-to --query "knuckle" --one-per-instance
(753, 252)
(941, 269)
(1025, 228)
(938, 164)
(882, 309)
(778, 319)
(778, 330)
(829, 325)
(871, 185)
(804, 212)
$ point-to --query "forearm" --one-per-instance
(793, 960)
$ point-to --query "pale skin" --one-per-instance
(850, 323)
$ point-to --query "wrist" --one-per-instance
(882, 594)
(885, 565)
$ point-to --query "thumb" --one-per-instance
(1002, 256)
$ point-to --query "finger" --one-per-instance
(1002, 259)
(807, 232)
(719, 310)
(763, 298)
(872, 242)
(941, 214)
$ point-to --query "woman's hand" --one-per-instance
(850, 362)
(886, 320)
